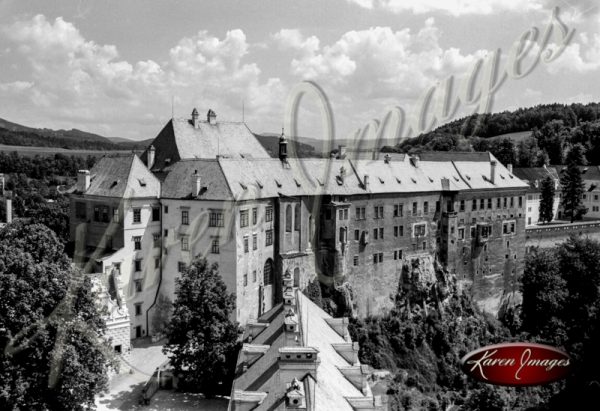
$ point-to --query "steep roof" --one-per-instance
(178, 181)
(122, 177)
(330, 391)
(179, 139)
(531, 175)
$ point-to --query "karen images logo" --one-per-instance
(517, 364)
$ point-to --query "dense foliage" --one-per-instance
(201, 338)
(547, 200)
(573, 187)
(52, 355)
(554, 129)
(37, 185)
(561, 306)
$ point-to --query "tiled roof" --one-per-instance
(331, 390)
(179, 139)
(122, 176)
(178, 181)
(454, 156)
(533, 174)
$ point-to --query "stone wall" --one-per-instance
(552, 234)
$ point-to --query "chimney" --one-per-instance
(366, 182)
(211, 117)
(296, 362)
(196, 183)
(387, 158)
(151, 156)
(509, 166)
(341, 151)
(83, 180)
(195, 121)
(493, 172)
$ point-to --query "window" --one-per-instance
(520, 201)
(245, 279)
(396, 231)
(489, 203)
(185, 243)
(425, 207)
(215, 219)
(116, 214)
(474, 206)
(185, 217)
(341, 213)
(166, 233)
(462, 205)
(482, 204)
(508, 227)
(401, 230)
(138, 309)
(360, 213)
(381, 233)
(375, 233)
(356, 235)
(156, 240)
(419, 230)
(397, 254)
(297, 217)
(472, 232)
(254, 241)
(355, 260)
(378, 211)
(138, 286)
(246, 248)
(375, 258)
(595, 197)
(380, 255)
(268, 237)
(155, 214)
(505, 203)
(137, 215)
(254, 215)
(529, 220)
(498, 202)
(243, 218)
(156, 262)
(96, 213)
(424, 245)
(268, 272)
(288, 218)
(254, 276)
(105, 214)
(181, 266)
(137, 242)
(269, 214)
(437, 206)
(512, 202)
(414, 208)
(461, 233)
(137, 265)
(214, 247)
(166, 209)
(80, 211)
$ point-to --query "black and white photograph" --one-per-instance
(299, 205)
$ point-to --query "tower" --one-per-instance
(283, 148)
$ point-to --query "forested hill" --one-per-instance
(18, 135)
(526, 137)
(523, 119)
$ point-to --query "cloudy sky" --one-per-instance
(117, 67)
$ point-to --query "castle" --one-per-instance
(206, 187)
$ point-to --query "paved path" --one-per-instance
(125, 387)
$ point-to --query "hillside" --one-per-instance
(270, 142)
(14, 134)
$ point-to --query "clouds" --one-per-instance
(452, 7)
(73, 78)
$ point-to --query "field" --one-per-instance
(50, 151)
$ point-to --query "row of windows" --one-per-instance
(245, 216)
(378, 257)
(268, 240)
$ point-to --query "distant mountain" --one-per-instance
(270, 141)
(120, 140)
(19, 135)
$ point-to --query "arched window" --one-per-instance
(288, 218)
(297, 217)
(268, 272)
(296, 277)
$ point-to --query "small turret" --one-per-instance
(211, 117)
(195, 121)
(283, 148)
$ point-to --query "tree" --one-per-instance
(572, 184)
(162, 313)
(53, 355)
(201, 336)
(547, 200)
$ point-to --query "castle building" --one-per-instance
(209, 188)
(534, 177)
